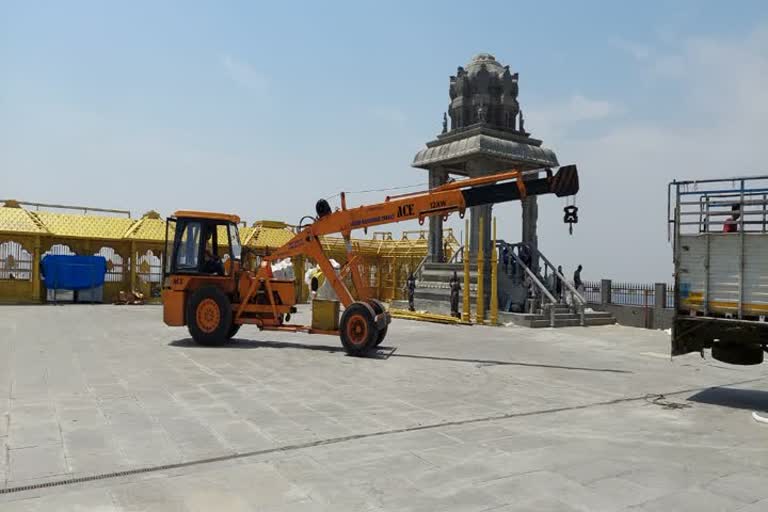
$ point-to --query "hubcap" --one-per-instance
(208, 315)
(357, 329)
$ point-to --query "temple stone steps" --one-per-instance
(433, 294)
(561, 319)
(434, 284)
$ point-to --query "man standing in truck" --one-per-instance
(731, 225)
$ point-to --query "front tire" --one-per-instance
(233, 330)
(358, 329)
(209, 316)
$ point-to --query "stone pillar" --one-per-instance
(437, 176)
(605, 291)
(394, 279)
(133, 264)
(659, 303)
(475, 237)
(530, 209)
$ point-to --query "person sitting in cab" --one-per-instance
(212, 264)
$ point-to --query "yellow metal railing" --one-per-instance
(135, 252)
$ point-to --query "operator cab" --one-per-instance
(202, 243)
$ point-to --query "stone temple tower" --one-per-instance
(485, 135)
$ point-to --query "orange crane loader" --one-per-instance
(214, 294)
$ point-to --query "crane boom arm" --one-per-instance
(440, 201)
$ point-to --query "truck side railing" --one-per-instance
(708, 205)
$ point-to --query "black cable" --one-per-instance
(301, 222)
(387, 189)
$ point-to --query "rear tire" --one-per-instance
(358, 329)
(209, 316)
(740, 354)
(378, 308)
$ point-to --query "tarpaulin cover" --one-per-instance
(73, 272)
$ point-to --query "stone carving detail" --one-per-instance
(481, 117)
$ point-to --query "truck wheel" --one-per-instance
(233, 330)
(378, 308)
(358, 329)
(209, 316)
(733, 353)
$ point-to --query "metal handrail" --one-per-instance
(85, 209)
(420, 267)
(453, 258)
(534, 278)
(573, 290)
(550, 265)
(582, 302)
(541, 287)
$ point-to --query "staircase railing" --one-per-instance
(420, 267)
(455, 257)
(542, 289)
(580, 303)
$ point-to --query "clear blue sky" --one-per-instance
(261, 108)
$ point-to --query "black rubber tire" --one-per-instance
(378, 308)
(740, 354)
(233, 330)
(359, 317)
(220, 333)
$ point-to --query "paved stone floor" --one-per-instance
(446, 419)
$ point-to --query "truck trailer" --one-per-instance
(719, 232)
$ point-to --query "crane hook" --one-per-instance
(571, 217)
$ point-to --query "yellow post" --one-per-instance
(480, 313)
(494, 277)
(465, 291)
(394, 278)
(36, 270)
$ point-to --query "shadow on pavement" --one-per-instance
(382, 352)
(493, 362)
(751, 399)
